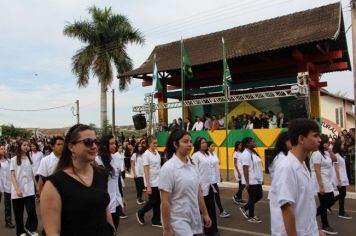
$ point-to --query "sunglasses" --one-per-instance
(88, 142)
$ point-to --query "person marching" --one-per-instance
(182, 199)
(216, 178)
(105, 159)
(281, 152)
(238, 173)
(152, 166)
(23, 190)
(291, 191)
(5, 186)
(321, 165)
(137, 170)
(36, 156)
(75, 199)
(202, 161)
(252, 171)
(49, 163)
(343, 181)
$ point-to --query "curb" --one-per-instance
(349, 195)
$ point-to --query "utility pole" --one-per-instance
(113, 112)
(353, 23)
(77, 114)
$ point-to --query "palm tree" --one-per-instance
(106, 37)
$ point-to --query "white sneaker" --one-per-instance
(28, 232)
(224, 214)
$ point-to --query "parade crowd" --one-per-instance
(79, 180)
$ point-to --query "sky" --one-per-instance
(35, 62)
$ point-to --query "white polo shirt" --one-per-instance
(138, 164)
(254, 164)
(36, 159)
(48, 165)
(237, 156)
(5, 176)
(291, 184)
(153, 161)
(215, 168)
(113, 184)
(326, 170)
(272, 167)
(342, 171)
(182, 181)
(24, 179)
(203, 164)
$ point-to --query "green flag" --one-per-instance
(187, 67)
(227, 80)
(155, 77)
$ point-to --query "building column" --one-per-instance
(315, 106)
(162, 98)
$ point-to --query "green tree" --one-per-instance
(12, 131)
(106, 37)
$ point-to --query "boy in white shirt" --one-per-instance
(49, 163)
(291, 191)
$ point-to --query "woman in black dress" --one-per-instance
(74, 200)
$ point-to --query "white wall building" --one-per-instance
(337, 113)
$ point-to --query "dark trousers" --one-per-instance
(217, 197)
(210, 205)
(139, 187)
(116, 217)
(127, 161)
(18, 207)
(154, 202)
(240, 190)
(326, 201)
(7, 207)
(341, 198)
(254, 195)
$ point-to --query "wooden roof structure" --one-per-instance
(313, 40)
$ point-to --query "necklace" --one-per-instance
(82, 179)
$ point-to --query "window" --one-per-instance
(341, 117)
(337, 116)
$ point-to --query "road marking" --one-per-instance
(242, 231)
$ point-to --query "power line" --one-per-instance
(34, 110)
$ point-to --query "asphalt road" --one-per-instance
(235, 225)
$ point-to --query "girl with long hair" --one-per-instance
(203, 162)
(283, 145)
(23, 190)
(253, 176)
(216, 178)
(105, 159)
(74, 200)
(5, 185)
(238, 172)
(342, 181)
(182, 199)
(137, 170)
(36, 156)
(321, 165)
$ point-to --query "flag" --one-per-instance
(227, 80)
(187, 67)
(155, 77)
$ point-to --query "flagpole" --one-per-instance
(152, 94)
(226, 112)
(182, 78)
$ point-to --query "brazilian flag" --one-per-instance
(187, 67)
